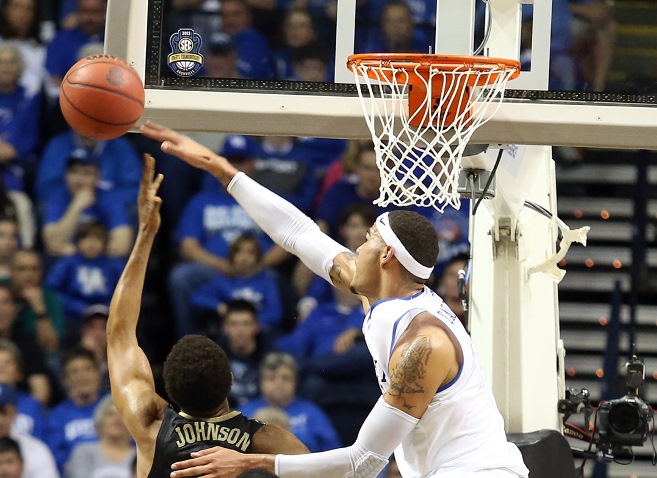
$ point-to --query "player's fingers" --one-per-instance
(193, 471)
(157, 182)
(206, 451)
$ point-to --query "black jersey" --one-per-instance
(181, 434)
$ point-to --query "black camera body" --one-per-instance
(624, 421)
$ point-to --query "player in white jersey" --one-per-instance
(437, 414)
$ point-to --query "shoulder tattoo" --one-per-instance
(406, 377)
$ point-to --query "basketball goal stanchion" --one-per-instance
(423, 111)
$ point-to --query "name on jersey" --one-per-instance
(203, 431)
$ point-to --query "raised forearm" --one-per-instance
(126, 301)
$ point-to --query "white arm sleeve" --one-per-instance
(383, 430)
(286, 225)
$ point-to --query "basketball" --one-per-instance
(101, 97)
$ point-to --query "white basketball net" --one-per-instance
(419, 165)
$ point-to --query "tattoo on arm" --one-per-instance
(405, 378)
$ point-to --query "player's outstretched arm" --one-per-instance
(284, 223)
(131, 377)
(190, 151)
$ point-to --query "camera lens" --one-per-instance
(624, 418)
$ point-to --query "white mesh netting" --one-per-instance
(419, 165)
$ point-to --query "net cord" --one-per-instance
(419, 165)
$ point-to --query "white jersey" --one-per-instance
(462, 430)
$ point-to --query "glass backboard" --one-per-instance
(177, 51)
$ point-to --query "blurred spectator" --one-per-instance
(273, 416)
(111, 455)
(210, 222)
(278, 382)
(298, 31)
(362, 188)
(67, 15)
(594, 28)
(19, 119)
(452, 227)
(248, 281)
(11, 459)
(397, 32)
(41, 316)
(34, 368)
(329, 346)
(245, 347)
(423, 13)
(38, 461)
(87, 277)
(255, 57)
(221, 60)
(63, 50)
(84, 201)
(8, 246)
(310, 63)
(200, 15)
(581, 44)
(31, 414)
(447, 287)
(20, 23)
(282, 168)
(93, 337)
(71, 422)
(353, 223)
(118, 162)
(17, 206)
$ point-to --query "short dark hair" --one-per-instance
(418, 236)
(88, 229)
(366, 211)
(197, 375)
(78, 352)
(9, 444)
(241, 305)
(240, 241)
(257, 473)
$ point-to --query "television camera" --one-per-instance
(618, 424)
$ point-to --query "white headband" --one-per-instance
(402, 255)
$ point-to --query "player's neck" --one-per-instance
(393, 286)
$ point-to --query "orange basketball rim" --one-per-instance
(435, 81)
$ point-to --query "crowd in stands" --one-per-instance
(67, 222)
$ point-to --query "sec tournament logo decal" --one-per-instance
(185, 59)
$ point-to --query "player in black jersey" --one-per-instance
(196, 374)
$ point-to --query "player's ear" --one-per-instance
(386, 254)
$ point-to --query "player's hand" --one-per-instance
(149, 202)
(190, 151)
(216, 462)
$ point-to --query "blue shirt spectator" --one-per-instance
(72, 421)
(119, 163)
(245, 279)
(81, 282)
(31, 418)
(284, 168)
(316, 335)
(215, 219)
(308, 422)
(64, 49)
